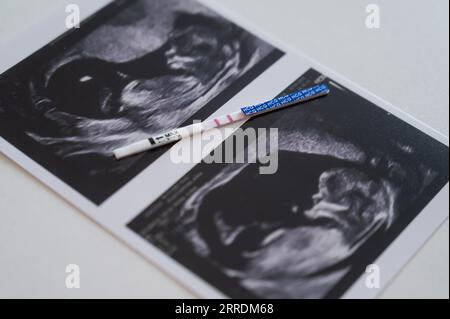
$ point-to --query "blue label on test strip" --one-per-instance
(297, 97)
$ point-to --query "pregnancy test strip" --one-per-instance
(244, 113)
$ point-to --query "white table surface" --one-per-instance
(40, 233)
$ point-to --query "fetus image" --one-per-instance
(335, 201)
(291, 234)
(96, 106)
(296, 233)
(145, 68)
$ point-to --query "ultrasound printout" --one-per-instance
(350, 178)
(133, 70)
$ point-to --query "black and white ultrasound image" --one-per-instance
(135, 69)
(350, 178)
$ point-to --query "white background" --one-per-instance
(40, 233)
